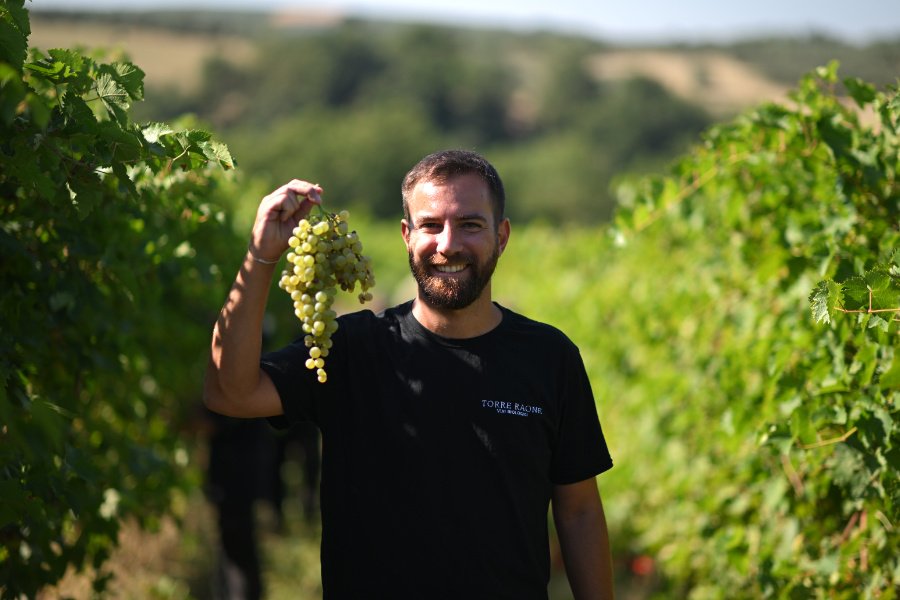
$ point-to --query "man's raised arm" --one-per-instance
(234, 384)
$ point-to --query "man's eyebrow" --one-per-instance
(467, 217)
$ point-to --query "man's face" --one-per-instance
(452, 240)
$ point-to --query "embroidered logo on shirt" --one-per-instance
(512, 408)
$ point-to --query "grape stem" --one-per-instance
(324, 212)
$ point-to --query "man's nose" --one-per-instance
(446, 240)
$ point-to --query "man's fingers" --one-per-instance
(298, 187)
(295, 193)
(291, 201)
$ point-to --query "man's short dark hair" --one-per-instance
(444, 165)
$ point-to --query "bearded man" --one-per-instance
(450, 424)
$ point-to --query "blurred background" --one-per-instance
(567, 99)
(582, 92)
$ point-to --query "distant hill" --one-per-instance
(172, 47)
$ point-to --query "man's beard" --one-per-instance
(458, 292)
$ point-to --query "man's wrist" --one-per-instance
(260, 259)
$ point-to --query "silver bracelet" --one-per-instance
(261, 260)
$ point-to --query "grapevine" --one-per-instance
(325, 254)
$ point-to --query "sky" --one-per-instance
(856, 21)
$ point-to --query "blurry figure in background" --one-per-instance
(301, 443)
(241, 462)
(247, 458)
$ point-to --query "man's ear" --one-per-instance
(503, 231)
(405, 230)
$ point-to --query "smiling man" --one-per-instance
(454, 237)
(450, 424)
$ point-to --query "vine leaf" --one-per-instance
(114, 97)
(824, 299)
(131, 78)
(14, 30)
(218, 151)
(12, 91)
(862, 92)
(876, 292)
(61, 67)
(154, 131)
(856, 293)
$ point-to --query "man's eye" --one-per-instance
(429, 226)
(472, 226)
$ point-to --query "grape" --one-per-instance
(324, 254)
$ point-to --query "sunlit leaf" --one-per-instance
(154, 131)
(824, 299)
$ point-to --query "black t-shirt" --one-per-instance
(439, 455)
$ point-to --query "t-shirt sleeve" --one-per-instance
(303, 398)
(581, 451)
(287, 369)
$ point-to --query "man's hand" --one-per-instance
(278, 214)
(584, 540)
(234, 383)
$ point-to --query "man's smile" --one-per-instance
(449, 268)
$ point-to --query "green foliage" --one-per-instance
(99, 228)
(767, 461)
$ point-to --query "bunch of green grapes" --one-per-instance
(324, 255)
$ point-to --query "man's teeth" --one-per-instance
(449, 268)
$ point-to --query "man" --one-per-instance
(449, 423)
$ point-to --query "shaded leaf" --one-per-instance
(62, 67)
(891, 377)
(861, 91)
(114, 97)
(856, 293)
(878, 280)
(87, 192)
(130, 78)
(894, 264)
(125, 181)
(885, 290)
(835, 133)
(12, 91)
(39, 109)
(14, 31)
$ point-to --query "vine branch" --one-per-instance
(870, 310)
(829, 442)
